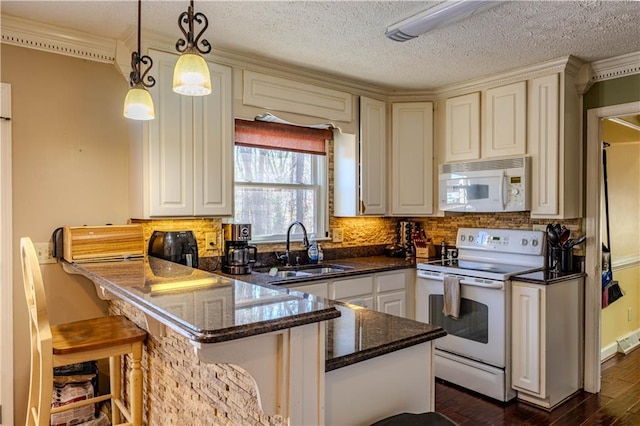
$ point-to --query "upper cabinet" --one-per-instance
(537, 117)
(412, 172)
(373, 156)
(183, 166)
(360, 167)
(555, 147)
(463, 128)
(504, 127)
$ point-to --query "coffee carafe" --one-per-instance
(239, 255)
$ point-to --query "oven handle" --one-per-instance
(483, 284)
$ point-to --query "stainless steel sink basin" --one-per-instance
(302, 270)
(323, 270)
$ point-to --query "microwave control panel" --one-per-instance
(515, 191)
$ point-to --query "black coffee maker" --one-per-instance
(239, 255)
(176, 246)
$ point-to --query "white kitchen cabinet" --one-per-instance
(412, 177)
(547, 340)
(504, 127)
(462, 133)
(392, 291)
(373, 156)
(184, 164)
(356, 291)
(555, 147)
(360, 167)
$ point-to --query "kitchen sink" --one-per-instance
(302, 270)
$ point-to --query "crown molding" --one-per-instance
(567, 64)
(48, 38)
(619, 66)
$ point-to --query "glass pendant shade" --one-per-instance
(138, 104)
(191, 75)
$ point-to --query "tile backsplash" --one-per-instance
(360, 231)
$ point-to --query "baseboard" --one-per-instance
(608, 351)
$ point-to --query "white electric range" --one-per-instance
(476, 352)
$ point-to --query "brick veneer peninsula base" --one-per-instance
(179, 389)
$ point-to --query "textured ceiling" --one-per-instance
(346, 38)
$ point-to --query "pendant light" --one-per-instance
(191, 75)
(138, 104)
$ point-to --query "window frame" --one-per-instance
(320, 172)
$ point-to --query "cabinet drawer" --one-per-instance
(390, 282)
(352, 287)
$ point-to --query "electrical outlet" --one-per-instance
(211, 242)
(337, 235)
(45, 253)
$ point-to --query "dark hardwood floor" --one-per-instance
(618, 402)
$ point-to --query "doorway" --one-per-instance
(593, 267)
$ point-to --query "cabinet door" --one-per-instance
(544, 134)
(393, 303)
(412, 159)
(526, 340)
(504, 126)
(462, 134)
(391, 292)
(373, 157)
(213, 136)
(170, 153)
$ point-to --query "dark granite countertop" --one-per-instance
(176, 295)
(353, 266)
(360, 334)
(547, 277)
(250, 305)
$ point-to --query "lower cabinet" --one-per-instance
(390, 292)
(393, 292)
(356, 291)
(547, 341)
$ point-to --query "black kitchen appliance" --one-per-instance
(175, 246)
(239, 255)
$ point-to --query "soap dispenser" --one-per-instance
(312, 252)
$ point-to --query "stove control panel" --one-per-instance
(502, 240)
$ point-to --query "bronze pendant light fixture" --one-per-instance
(191, 74)
(138, 104)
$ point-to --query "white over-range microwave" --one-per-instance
(500, 185)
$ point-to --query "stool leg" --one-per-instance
(115, 367)
(136, 385)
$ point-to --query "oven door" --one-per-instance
(480, 331)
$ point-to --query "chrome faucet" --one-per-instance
(305, 242)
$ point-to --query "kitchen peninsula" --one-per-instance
(292, 344)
